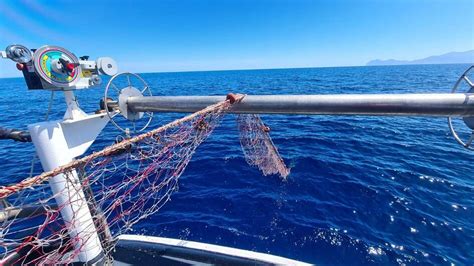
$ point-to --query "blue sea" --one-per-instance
(362, 190)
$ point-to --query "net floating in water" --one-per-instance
(119, 186)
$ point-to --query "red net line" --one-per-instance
(55, 217)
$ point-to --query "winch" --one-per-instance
(55, 68)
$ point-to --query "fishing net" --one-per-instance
(259, 149)
(52, 218)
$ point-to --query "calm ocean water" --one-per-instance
(363, 190)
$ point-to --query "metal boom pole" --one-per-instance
(430, 104)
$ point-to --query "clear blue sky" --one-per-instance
(149, 36)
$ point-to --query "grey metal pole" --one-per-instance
(443, 104)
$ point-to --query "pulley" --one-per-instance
(119, 88)
(468, 120)
(18, 53)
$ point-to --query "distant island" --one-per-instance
(466, 57)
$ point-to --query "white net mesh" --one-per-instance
(258, 147)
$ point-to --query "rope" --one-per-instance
(5, 191)
(118, 186)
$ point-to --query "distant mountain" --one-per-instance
(449, 58)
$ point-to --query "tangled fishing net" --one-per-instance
(51, 218)
(258, 147)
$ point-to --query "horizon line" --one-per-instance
(275, 68)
